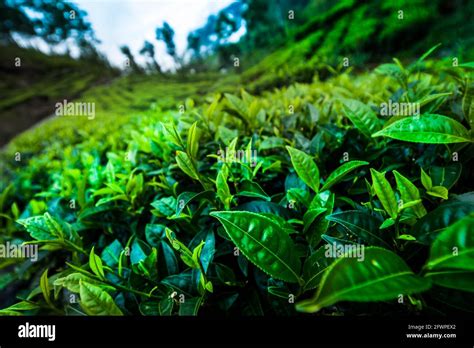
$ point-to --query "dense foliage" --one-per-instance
(226, 204)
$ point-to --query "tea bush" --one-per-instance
(247, 204)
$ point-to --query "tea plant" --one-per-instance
(304, 199)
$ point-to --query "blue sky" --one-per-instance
(130, 22)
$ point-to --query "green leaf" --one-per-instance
(95, 301)
(324, 200)
(223, 191)
(387, 223)
(384, 193)
(362, 116)
(110, 255)
(453, 279)
(381, 276)
(446, 176)
(95, 263)
(193, 140)
(41, 227)
(314, 268)
(266, 208)
(190, 307)
(409, 205)
(72, 282)
(392, 70)
(438, 191)
(362, 225)
(454, 247)
(428, 129)
(409, 193)
(184, 283)
(185, 254)
(197, 252)
(305, 167)
(172, 134)
(139, 251)
(337, 175)
(186, 165)
(165, 206)
(430, 97)
(22, 306)
(187, 197)
(168, 259)
(406, 237)
(310, 216)
(154, 233)
(147, 266)
(427, 53)
(252, 189)
(263, 242)
(237, 105)
(469, 65)
(45, 288)
(426, 180)
(429, 226)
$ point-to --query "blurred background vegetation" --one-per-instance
(284, 41)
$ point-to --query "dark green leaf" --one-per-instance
(382, 276)
(263, 242)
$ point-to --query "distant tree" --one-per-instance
(194, 44)
(225, 26)
(131, 60)
(213, 36)
(149, 50)
(166, 34)
(53, 21)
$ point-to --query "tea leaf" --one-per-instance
(381, 276)
(362, 116)
(454, 247)
(320, 225)
(426, 180)
(430, 225)
(190, 307)
(428, 129)
(40, 227)
(186, 165)
(362, 225)
(173, 135)
(193, 140)
(438, 191)
(252, 189)
(45, 288)
(446, 176)
(263, 242)
(95, 301)
(223, 191)
(314, 268)
(338, 174)
(384, 193)
(427, 53)
(187, 197)
(453, 279)
(305, 167)
(409, 193)
(95, 263)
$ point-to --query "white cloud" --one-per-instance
(131, 22)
